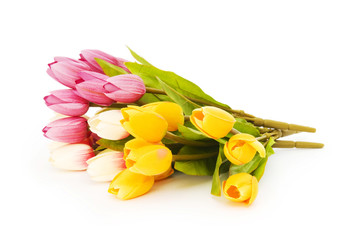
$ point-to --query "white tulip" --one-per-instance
(107, 125)
(106, 165)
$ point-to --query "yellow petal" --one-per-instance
(258, 147)
(127, 185)
(150, 160)
(243, 137)
(170, 111)
(254, 190)
(239, 188)
(164, 175)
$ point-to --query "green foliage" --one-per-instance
(181, 85)
(245, 127)
(258, 173)
(110, 69)
(191, 134)
(187, 105)
(201, 167)
(116, 145)
(139, 58)
(216, 182)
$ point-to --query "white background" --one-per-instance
(295, 61)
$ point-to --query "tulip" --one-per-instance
(242, 147)
(134, 144)
(68, 130)
(126, 88)
(170, 111)
(149, 160)
(213, 122)
(66, 70)
(67, 102)
(106, 165)
(71, 156)
(241, 187)
(91, 87)
(127, 185)
(149, 126)
(89, 56)
(107, 125)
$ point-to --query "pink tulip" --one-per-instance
(127, 88)
(71, 156)
(67, 130)
(89, 56)
(67, 102)
(91, 87)
(66, 70)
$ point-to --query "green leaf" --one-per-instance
(201, 167)
(191, 134)
(139, 58)
(180, 84)
(258, 173)
(216, 181)
(149, 98)
(187, 105)
(247, 167)
(110, 69)
(245, 127)
(116, 145)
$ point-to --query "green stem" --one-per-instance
(184, 141)
(193, 156)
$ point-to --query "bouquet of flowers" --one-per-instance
(151, 123)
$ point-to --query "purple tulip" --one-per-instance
(66, 70)
(127, 88)
(89, 56)
(67, 102)
(91, 87)
(67, 130)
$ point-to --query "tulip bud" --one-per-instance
(89, 56)
(149, 126)
(126, 88)
(107, 125)
(68, 130)
(91, 87)
(106, 165)
(241, 187)
(242, 147)
(149, 160)
(66, 70)
(71, 156)
(170, 111)
(214, 122)
(67, 102)
(127, 185)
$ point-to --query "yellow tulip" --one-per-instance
(127, 185)
(242, 147)
(164, 175)
(241, 187)
(170, 111)
(146, 125)
(134, 144)
(214, 122)
(149, 160)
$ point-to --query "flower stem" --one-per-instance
(184, 141)
(193, 156)
(293, 144)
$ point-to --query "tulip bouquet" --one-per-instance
(151, 123)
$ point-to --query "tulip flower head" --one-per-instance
(242, 147)
(148, 126)
(127, 185)
(71, 156)
(89, 56)
(126, 88)
(170, 111)
(66, 70)
(241, 187)
(149, 160)
(106, 165)
(107, 125)
(67, 130)
(214, 122)
(67, 102)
